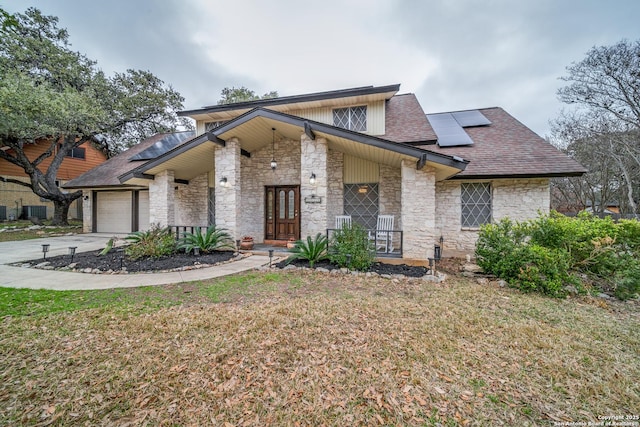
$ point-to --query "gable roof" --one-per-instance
(310, 127)
(106, 174)
(508, 149)
(406, 122)
(295, 102)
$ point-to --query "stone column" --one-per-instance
(313, 159)
(87, 211)
(227, 165)
(162, 199)
(418, 210)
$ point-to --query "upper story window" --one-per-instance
(352, 118)
(76, 153)
(476, 204)
(209, 126)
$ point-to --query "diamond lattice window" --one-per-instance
(209, 126)
(476, 204)
(352, 118)
(361, 202)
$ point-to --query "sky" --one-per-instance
(453, 54)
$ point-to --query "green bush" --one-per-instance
(210, 240)
(352, 240)
(155, 243)
(313, 250)
(546, 254)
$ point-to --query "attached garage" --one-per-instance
(113, 211)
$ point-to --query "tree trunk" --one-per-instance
(61, 211)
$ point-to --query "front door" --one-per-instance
(282, 212)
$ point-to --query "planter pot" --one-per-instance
(246, 245)
(291, 245)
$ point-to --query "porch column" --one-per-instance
(162, 199)
(313, 160)
(227, 206)
(418, 210)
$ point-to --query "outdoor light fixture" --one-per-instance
(441, 240)
(238, 245)
(312, 179)
(45, 249)
(72, 251)
(121, 256)
(196, 251)
(274, 164)
(349, 256)
(270, 257)
(223, 181)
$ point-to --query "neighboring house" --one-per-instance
(19, 201)
(362, 152)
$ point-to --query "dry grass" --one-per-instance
(313, 349)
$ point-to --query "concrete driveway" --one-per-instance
(19, 277)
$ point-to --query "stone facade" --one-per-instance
(335, 186)
(518, 199)
(87, 215)
(162, 199)
(229, 197)
(390, 197)
(192, 202)
(313, 159)
(257, 173)
(418, 210)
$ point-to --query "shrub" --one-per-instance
(211, 239)
(313, 250)
(155, 243)
(498, 247)
(544, 254)
(352, 240)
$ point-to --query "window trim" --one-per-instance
(71, 152)
(350, 120)
(477, 224)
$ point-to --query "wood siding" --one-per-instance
(375, 116)
(360, 171)
(69, 169)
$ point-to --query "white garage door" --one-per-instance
(113, 212)
(143, 210)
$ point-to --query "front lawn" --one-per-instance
(24, 230)
(309, 348)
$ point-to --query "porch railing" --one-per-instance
(179, 230)
(388, 243)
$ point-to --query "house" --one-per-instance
(287, 167)
(19, 201)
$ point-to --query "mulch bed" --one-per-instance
(111, 261)
(377, 267)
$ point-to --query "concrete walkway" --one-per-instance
(18, 277)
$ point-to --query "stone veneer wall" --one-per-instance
(192, 202)
(335, 186)
(418, 210)
(518, 199)
(313, 159)
(257, 173)
(87, 211)
(390, 197)
(162, 199)
(228, 198)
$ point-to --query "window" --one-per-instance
(352, 118)
(476, 204)
(361, 202)
(209, 126)
(75, 153)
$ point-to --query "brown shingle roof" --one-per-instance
(106, 174)
(406, 121)
(507, 148)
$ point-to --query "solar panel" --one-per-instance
(448, 130)
(470, 118)
(165, 144)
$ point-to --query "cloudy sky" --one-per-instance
(453, 54)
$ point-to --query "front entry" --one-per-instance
(282, 212)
